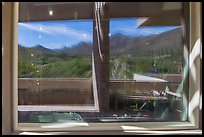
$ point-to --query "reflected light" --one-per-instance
(64, 125)
(50, 13)
(75, 14)
(166, 132)
(132, 128)
(192, 70)
(84, 35)
(33, 133)
(193, 104)
(181, 125)
(193, 55)
(201, 50)
(195, 100)
(185, 110)
(44, 133)
(200, 107)
(141, 21)
(195, 52)
(40, 36)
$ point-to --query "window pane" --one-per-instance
(54, 62)
(55, 49)
(146, 64)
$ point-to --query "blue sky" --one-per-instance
(57, 34)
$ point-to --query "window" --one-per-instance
(128, 84)
(147, 60)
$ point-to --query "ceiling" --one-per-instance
(158, 13)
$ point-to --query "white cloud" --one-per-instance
(34, 27)
(58, 29)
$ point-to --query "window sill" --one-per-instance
(180, 132)
(151, 128)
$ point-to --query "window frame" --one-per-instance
(9, 103)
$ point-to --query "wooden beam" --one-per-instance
(101, 56)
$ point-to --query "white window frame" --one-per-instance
(9, 89)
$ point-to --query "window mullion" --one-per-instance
(101, 54)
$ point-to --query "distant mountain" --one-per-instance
(125, 44)
(119, 43)
(37, 50)
(82, 48)
(40, 48)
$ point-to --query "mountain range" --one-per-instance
(119, 43)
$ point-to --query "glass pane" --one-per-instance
(54, 63)
(146, 64)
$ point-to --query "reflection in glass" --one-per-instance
(54, 66)
(145, 63)
(148, 63)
